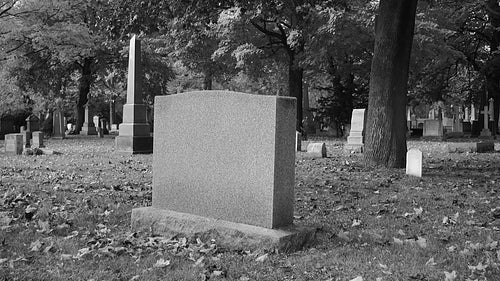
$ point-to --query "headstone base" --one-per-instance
(434, 138)
(235, 236)
(455, 135)
(355, 148)
(134, 145)
(88, 131)
(479, 147)
(486, 134)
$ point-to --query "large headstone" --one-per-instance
(58, 128)
(14, 144)
(134, 133)
(88, 127)
(414, 162)
(228, 168)
(356, 138)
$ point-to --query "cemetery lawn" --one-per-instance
(67, 216)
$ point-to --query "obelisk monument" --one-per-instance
(134, 133)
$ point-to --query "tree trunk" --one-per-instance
(295, 75)
(83, 92)
(207, 81)
(385, 140)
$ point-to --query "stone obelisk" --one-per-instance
(134, 133)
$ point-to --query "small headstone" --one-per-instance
(356, 138)
(317, 149)
(26, 139)
(22, 129)
(97, 123)
(298, 140)
(37, 140)
(14, 144)
(414, 162)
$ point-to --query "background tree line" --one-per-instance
(71, 50)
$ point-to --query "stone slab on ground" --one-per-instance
(235, 236)
(479, 147)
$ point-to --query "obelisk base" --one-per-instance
(134, 144)
(87, 130)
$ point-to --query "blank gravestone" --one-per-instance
(356, 138)
(414, 162)
(228, 170)
(317, 150)
(37, 140)
(14, 144)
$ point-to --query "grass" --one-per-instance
(67, 216)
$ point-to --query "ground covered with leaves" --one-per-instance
(67, 217)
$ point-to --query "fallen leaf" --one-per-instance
(262, 258)
(161, 263)
(244, 278)
(421, 242)
(397, 241)
(450, 276)
(418, 211)
(359, 278)
(3, 260)
(356, 222)
(431, 262)
(36, 246)
(217, 273)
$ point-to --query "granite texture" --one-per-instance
(226, 155)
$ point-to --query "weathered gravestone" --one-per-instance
(433, 129)
(414, 162)
(317, 149)
(37, 140)
(356, 138)
(88, 127)
(58, 129)
(226, 172)
(14, 144)
(134, 133)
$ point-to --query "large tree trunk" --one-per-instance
(295, 75)
(207, 80)
(83, 92)
(385, 140)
